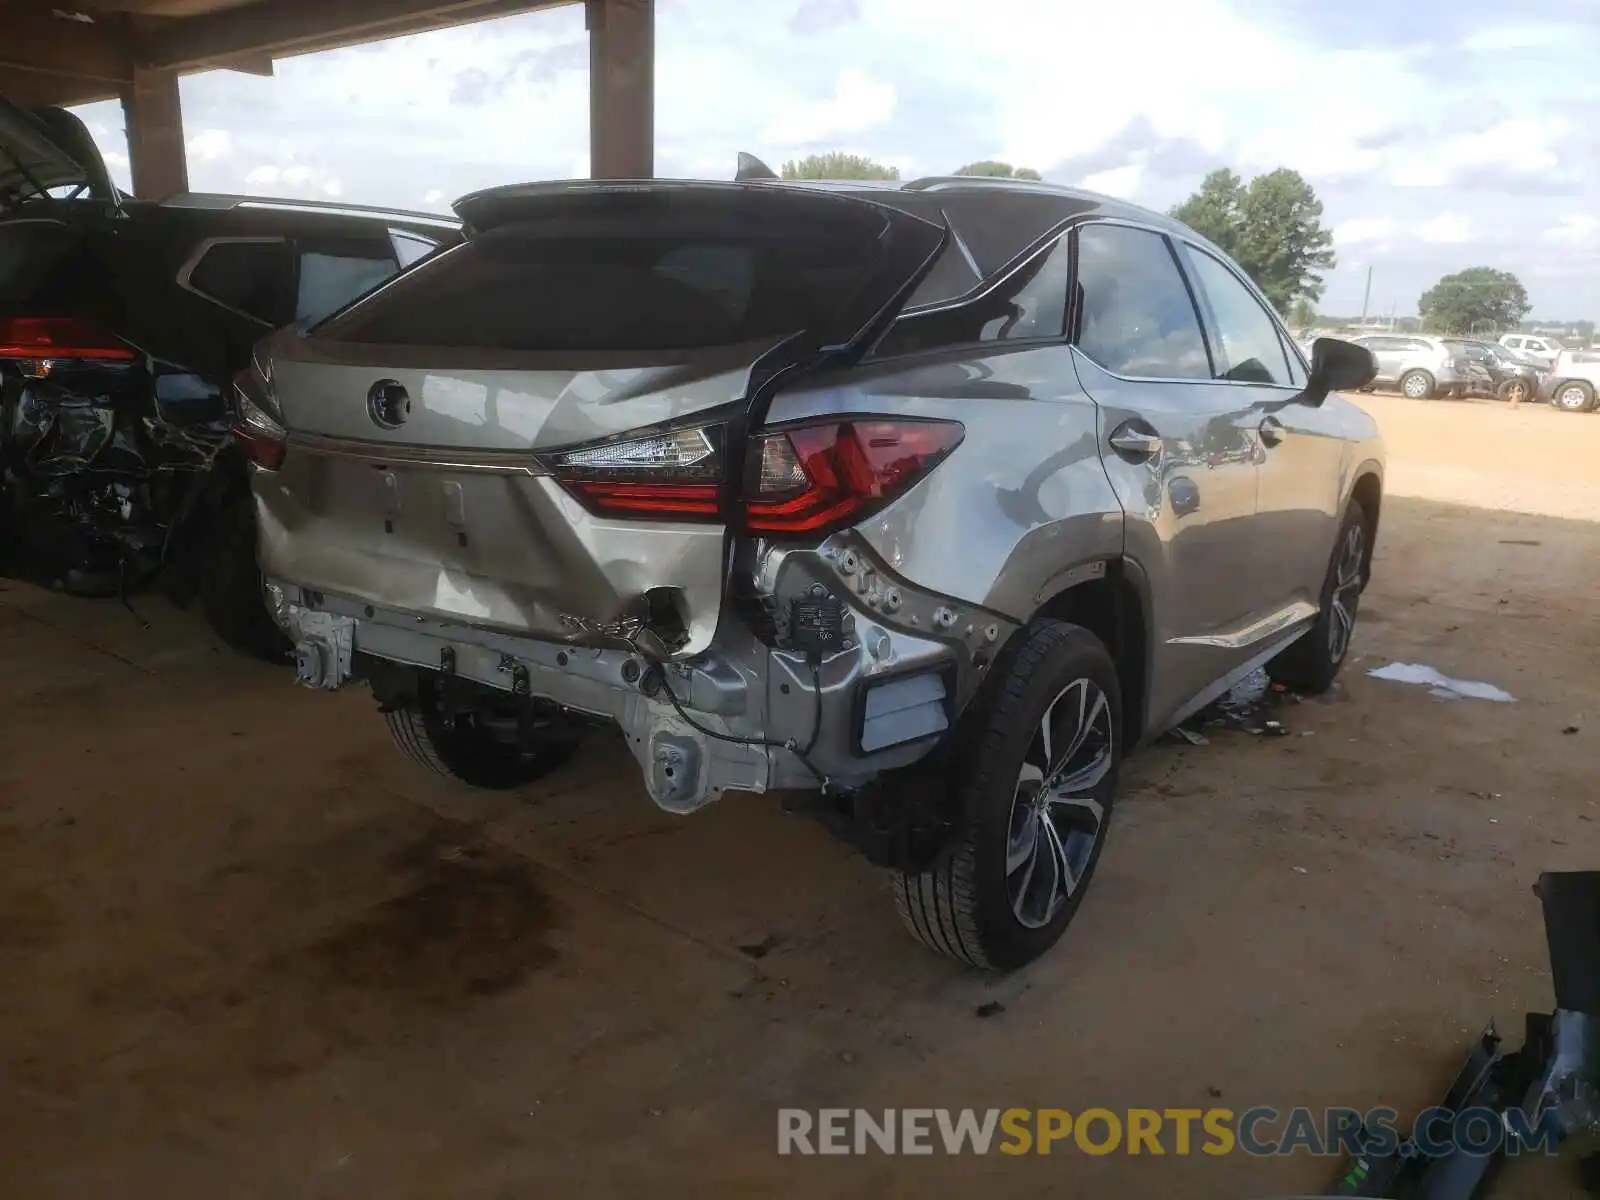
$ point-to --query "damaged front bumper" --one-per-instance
(767, 705)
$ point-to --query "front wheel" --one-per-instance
(1035, 779)
(1573, 396)
(1311, 663)
(1416, 385)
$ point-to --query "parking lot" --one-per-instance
(246, 950)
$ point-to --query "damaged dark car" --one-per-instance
(122, 323)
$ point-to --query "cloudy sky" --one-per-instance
(1440, 134)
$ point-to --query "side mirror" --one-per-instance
(1338, 366)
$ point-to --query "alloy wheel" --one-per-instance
(1057, 819)
(1346, 591)
(1415, 387)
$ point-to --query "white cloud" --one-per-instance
(1521, 146)
(1363, 229)
(1447, 229)
(333, 187)
(859, 102)
(210, 144)
(1575, 229)
(263, 176)
(1122, 182)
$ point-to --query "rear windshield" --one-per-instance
(520, 288)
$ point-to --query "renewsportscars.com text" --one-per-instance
(1259, 1131)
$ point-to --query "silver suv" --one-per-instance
(1574, 380)
(1423, 367)
(929, 501)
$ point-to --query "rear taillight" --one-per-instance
(48, 340)
(259, 433)
(804, 478)
(817, 476)
(678, 474)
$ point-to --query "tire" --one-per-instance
(466, 751)
(1573, 395)
(1312, 662)
(232, 591)
(1515, 391)
(983, 902)
(1417, 385)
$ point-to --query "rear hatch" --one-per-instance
(47, 155)
(543, 429)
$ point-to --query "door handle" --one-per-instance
(1135, 442)
(1272, 430)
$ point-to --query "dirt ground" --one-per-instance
(246, 951)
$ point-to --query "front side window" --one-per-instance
(336, 271)
(1135, 314)
(1250, 350)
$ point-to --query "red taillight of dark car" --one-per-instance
(258, 432)
(58, 339)
(801, 479)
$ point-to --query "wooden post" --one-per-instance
(154, 119)
(622, 62)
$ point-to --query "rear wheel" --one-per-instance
(1573, 396)
(1515, 390)
(1417, 385)
(1036, 777)
(1312, 663)
(474, 746)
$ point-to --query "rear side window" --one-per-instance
(627, 289)
(1029, 305)
(1136, 317)
(255, 278)
(410, 248)
(1250, 349)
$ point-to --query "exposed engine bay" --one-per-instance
(99, 491)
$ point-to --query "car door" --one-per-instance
(1388, 352)
(1300, 481)
(1180, 450)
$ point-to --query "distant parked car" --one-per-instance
(1512, 376)
(1536, 346)
(1574, 381)
(1422, 367)
(122, 322)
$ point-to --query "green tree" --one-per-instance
(836, 165)
(1271, 227)
(991, 169)
(1477, 299)
(1302, 314)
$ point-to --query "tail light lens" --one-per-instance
(817, 476)
(43, 341)
(806, 478)
(678, 474)
(259, 433)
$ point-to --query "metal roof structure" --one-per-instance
(65, 52)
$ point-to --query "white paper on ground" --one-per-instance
(1439, 685)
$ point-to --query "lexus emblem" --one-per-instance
(388, 404)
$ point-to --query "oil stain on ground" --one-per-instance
(473, 922)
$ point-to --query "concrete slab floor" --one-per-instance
(245, 950)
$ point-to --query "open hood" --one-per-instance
(48, 153)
